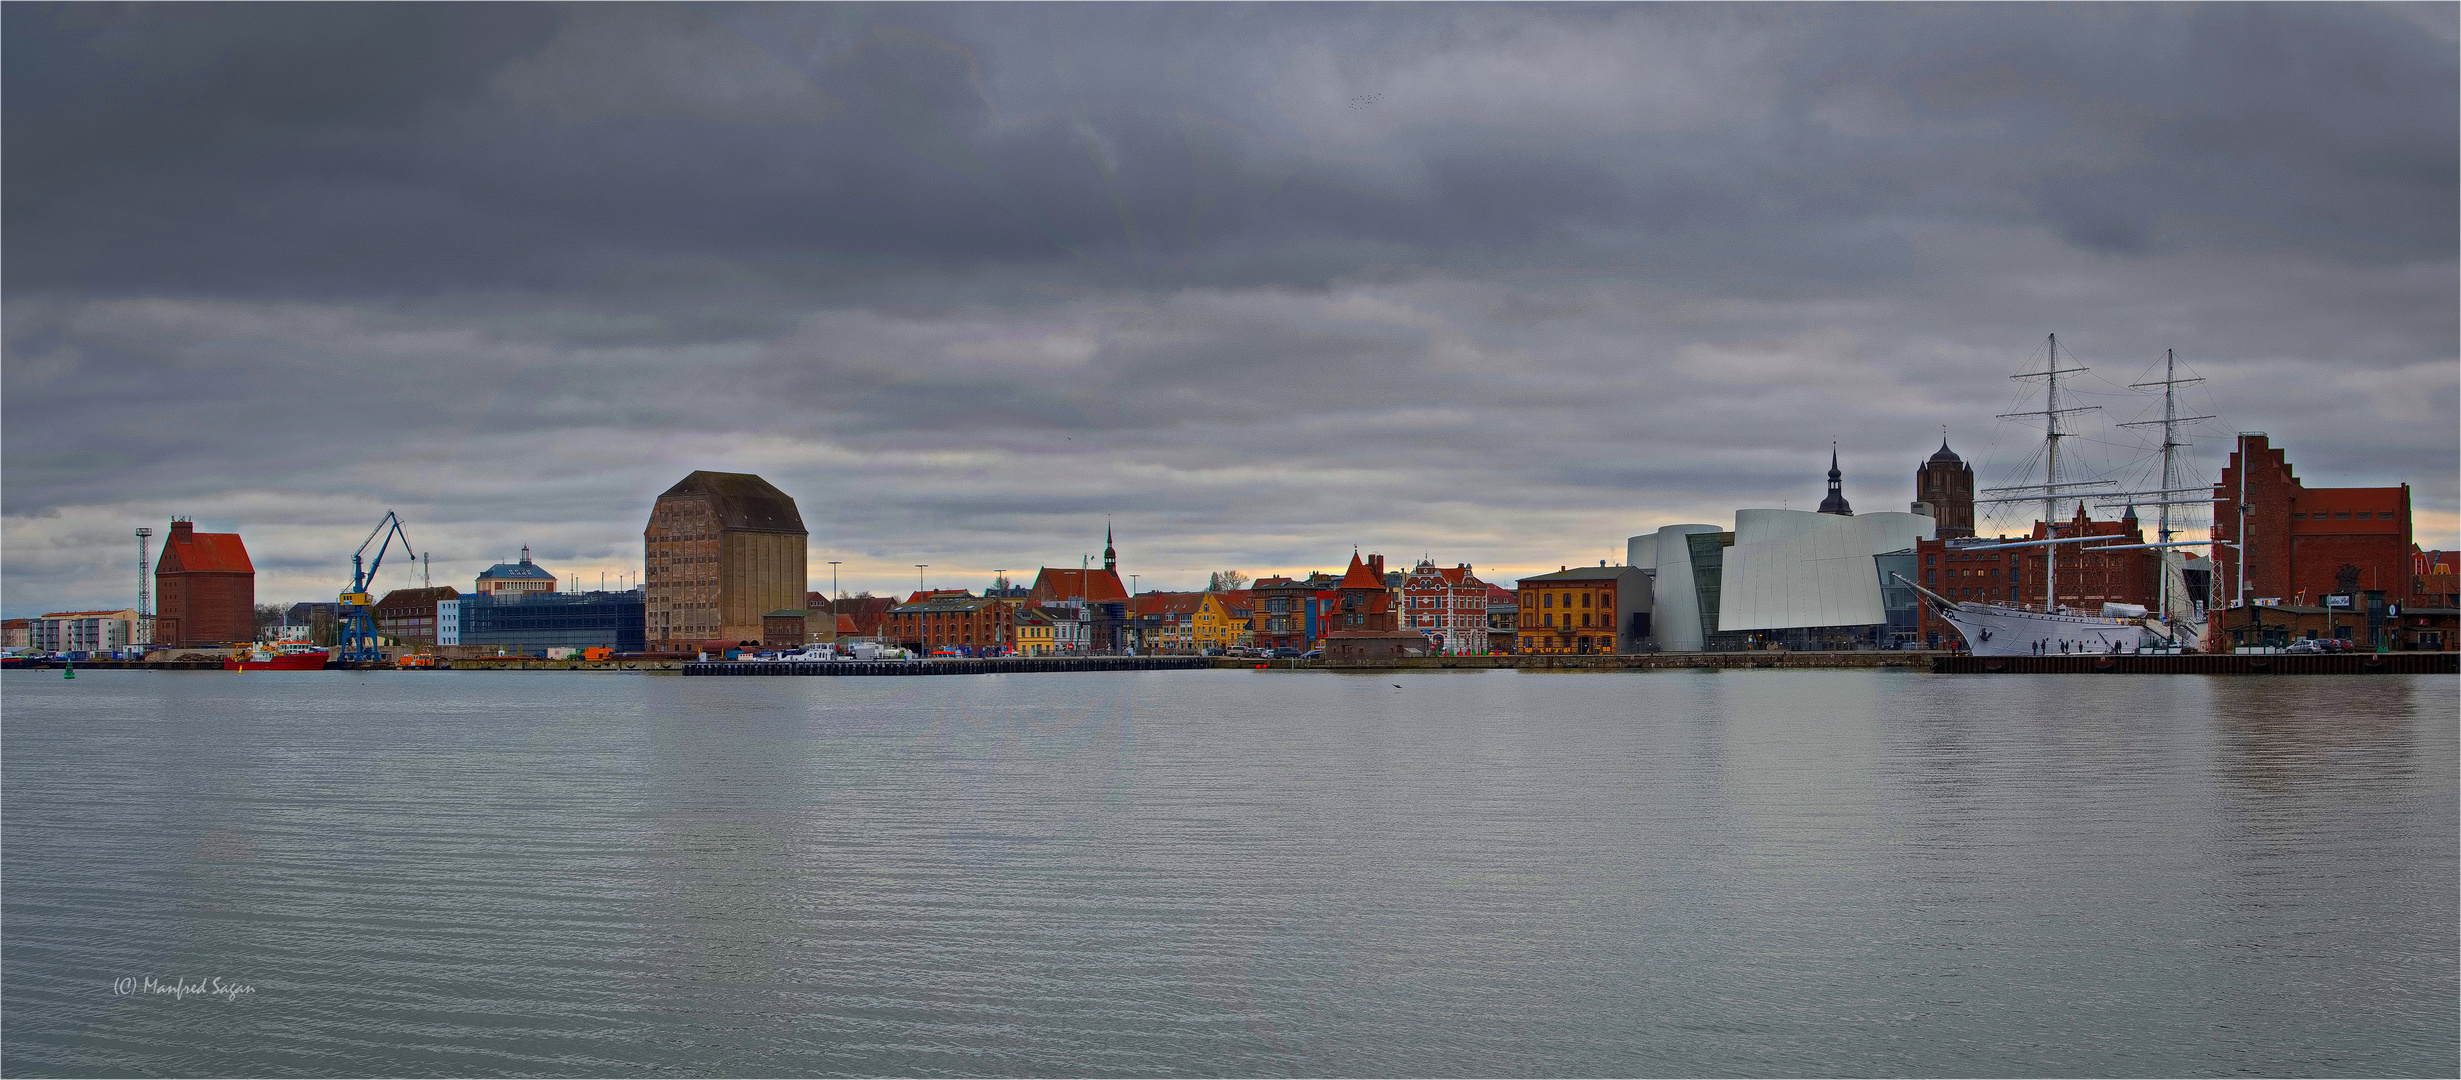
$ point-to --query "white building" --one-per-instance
(1796, 577)
(85, 631)
(1778, 571)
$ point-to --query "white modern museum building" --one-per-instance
(1798, 578)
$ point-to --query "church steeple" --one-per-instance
(1110, 557)
(1836, 502)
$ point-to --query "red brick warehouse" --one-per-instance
(206, 586)
(2301, 539)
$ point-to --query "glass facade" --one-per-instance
(1898, 598)
(1708, 551)
(534, 622)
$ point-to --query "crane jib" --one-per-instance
(359, 642)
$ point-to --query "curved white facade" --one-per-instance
(1642, 551)
(1793, 568)
(1674, 598)
(1786, 569)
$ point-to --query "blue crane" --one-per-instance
(358, 619)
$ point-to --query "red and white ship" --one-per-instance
(279, 656)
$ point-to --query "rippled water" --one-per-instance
(1231, 872)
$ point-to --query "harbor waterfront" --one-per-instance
(1774, 872)
(2248, 663)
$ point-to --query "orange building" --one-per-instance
(1590, 609)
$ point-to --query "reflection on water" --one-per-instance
(1764, 872)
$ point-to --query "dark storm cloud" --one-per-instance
(376, 148)
(1262, 280)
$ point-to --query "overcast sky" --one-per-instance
(1499, 285)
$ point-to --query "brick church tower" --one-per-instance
(1944, 489)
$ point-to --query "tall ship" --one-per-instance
(2009, 628)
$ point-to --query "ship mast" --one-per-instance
(2170, 421)
(2051, 486)
(2050, 480)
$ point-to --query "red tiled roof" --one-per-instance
(204, 553)
(1359, 576)
(1167, 603)
(1053, 584)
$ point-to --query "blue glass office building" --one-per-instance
(533, 622)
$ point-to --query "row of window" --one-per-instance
(1547, 600)
(1541, 643)
(2343, 515)
(1548, 619)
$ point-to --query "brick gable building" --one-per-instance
(205, 589)
(409, 615)
(953, 620)
(1358, 617)
(2299, 539)
(722, 551)
(1097, 596)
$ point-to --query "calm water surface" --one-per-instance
(1173, 873)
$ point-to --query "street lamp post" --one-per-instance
(833, 564)
(918, 575)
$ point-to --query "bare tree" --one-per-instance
(269, 616)
(1226, 581)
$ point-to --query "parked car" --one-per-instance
(1312, 654)
(2306, 645)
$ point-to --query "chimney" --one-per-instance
(1375, 565)
(181, 530)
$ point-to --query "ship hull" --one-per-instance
(306, 661)
(1991, 630)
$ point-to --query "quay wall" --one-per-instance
(2396, 663)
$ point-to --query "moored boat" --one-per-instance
(280, 656)
(1992, 629)
(1997, 628)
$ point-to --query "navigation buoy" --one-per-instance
(69, 672)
